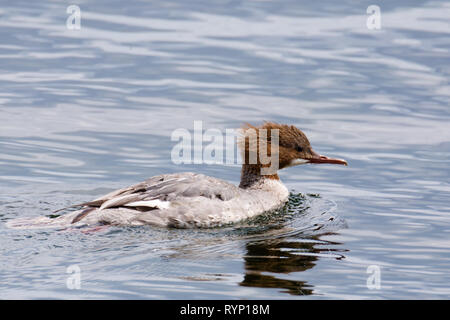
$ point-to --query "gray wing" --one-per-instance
(154, 192)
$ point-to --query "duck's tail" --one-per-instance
(43, 222)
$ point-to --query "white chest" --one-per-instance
(271, 193)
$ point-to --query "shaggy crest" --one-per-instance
(270, 141)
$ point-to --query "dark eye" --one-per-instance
(299, 149)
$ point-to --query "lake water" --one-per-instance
(86, 111)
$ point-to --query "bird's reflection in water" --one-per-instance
(296, 247)
(266, 261)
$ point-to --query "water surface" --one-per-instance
(86, 111)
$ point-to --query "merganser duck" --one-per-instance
(191, 200)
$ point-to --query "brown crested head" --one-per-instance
(293, 147)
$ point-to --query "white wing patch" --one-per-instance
(150, 203)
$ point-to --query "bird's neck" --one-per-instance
(251, 176)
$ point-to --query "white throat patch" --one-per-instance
(297, 162)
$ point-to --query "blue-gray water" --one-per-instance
(85, 111)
